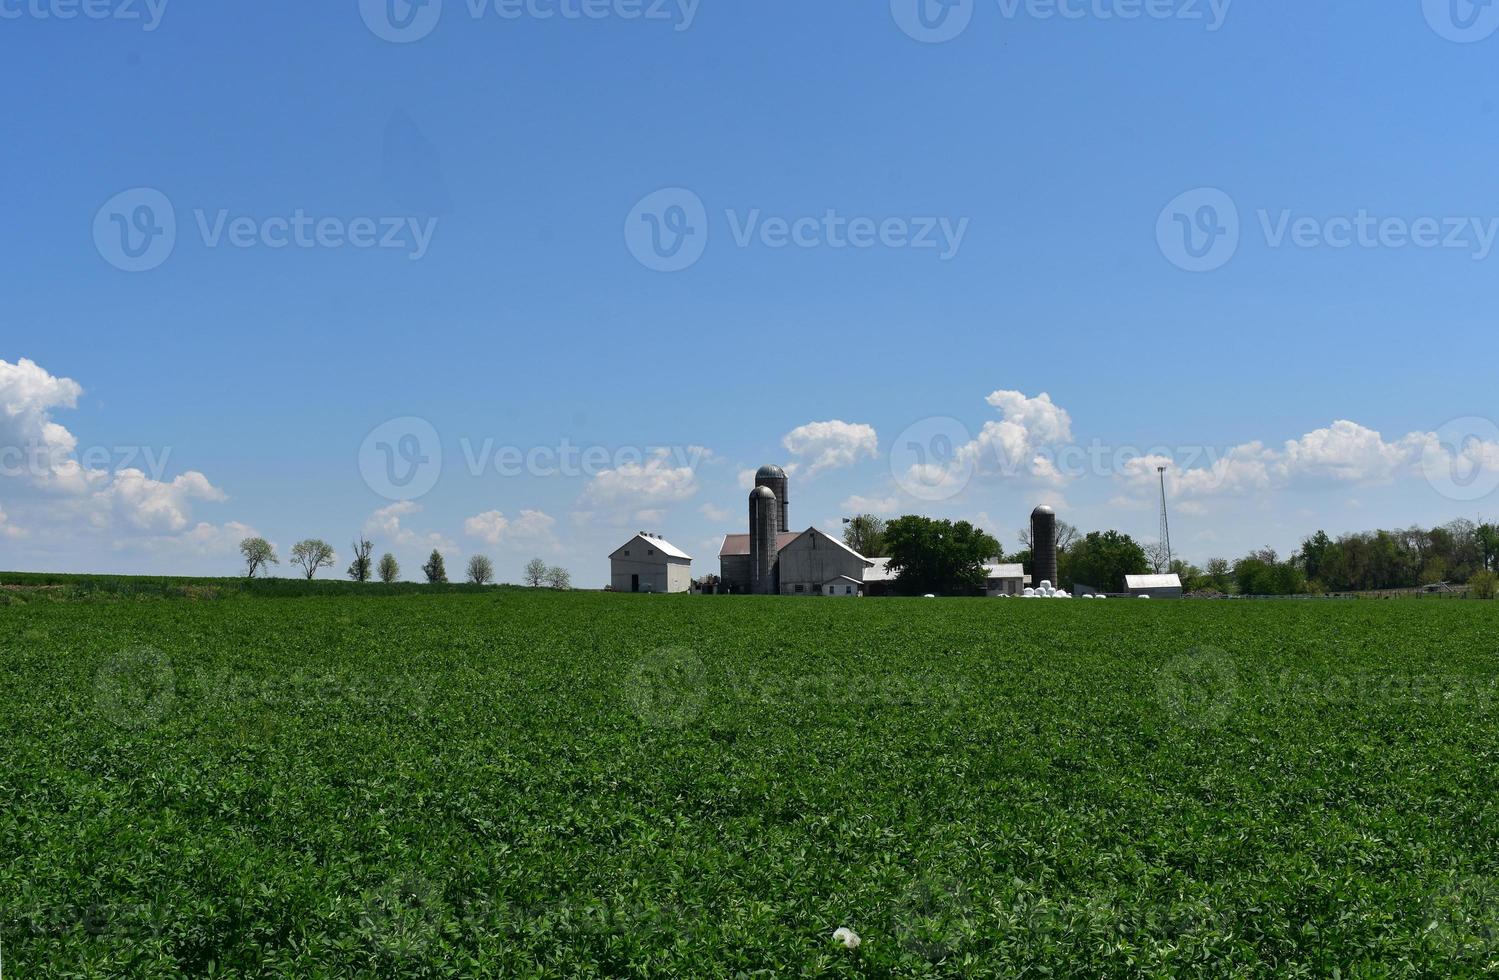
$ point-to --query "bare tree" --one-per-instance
(559, 579)
(312, 555)
(536, 573)
(1067, 535)
(480, 570)
(361, 568)
(259, 555)
(1160, 561)
(390, 569)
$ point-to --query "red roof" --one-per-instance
(739, 544)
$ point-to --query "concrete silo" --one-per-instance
(764, 526)
(774, 479)
(1043, 546)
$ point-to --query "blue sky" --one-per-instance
(1321, 364)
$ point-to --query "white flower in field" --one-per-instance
(847, 937)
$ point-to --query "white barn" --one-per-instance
(650, 563)
(1155, 586)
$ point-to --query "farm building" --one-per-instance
(650, 563)
(1002, 579)
(1154, 586)
(771, 560)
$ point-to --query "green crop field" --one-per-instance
(482, 783)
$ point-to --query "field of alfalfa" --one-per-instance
(502, 782)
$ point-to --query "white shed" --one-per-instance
(1154, 586)
(650, 563)
(843, 587)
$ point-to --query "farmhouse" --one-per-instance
(1154, 586)
(650, 563)
(1002, 579)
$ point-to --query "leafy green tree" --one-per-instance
(1263, 573)
(1102, 559)
(866, 535)
(1488, 543)
(937, 556)
(361, 568)
(1484, 584)
(258, 555)
(311, 555)
(390, 569)
(480, 570)
(436, 569)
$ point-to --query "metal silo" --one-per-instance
(774, 478)
(764, 524)
(1043, 546)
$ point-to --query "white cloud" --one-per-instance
(7, 529)
(715, 513)
(150, 505)
(832, 445)
(203, 539)
(879, 506)
(656, 481)
(531, 527)
(386, 524)
(1342, 453)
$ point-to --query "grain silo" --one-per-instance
(764, 526)
(774, 479)
(1043, 546)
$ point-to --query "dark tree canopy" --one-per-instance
(938, 557)
(1102, 560)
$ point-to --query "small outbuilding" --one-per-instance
(1154, 586)
(650, 563)
(1001, 579)
(843, 587)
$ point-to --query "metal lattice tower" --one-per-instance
(1165, 520)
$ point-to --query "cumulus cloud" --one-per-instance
(42, 455)
(832, 445)
(530, 527)
(203, 539)
(386, 524)
(653, 482)
(1343, 453)
(151, 505)
(879, 506)
(7, 529)
(715, 513)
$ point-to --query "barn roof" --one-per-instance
(828, 537)
(660, 544)
(1004, 571)
(739, 544)
(1133, 582)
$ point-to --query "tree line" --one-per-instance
(948, 558)
(314, 554)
